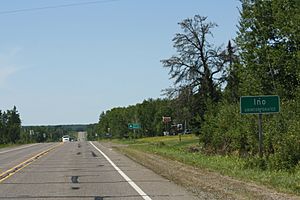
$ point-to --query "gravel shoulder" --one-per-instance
(201, 181)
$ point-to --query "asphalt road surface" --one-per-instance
(10, 157)
(80, 170)
(81, 136)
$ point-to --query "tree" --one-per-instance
(1, 128)
(13, 125)
(10, 126)
(231, 77)
(5, 138)
(183, 107)
(199, 65)
(269, 38)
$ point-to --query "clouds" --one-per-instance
(8, 66)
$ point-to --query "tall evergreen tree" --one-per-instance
(231, 78)
(13, 125)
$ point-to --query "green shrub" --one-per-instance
(227, 131)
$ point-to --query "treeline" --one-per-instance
(114, 123)
(32, 134)
(11, 130)
(10, 126)
(209, 80)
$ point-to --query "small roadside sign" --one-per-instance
(259, 104)
(166, 119)
(134, 126)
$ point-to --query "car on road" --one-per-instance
(65, 138)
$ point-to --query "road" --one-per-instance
(10, 157)
(81, 170)
(81, 136)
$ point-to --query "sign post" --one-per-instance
(260, 105)
(260, 135)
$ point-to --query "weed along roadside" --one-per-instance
(187, 164)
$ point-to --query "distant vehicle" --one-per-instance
(66, 138)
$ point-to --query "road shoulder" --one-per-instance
(201, 181)
(154, 185)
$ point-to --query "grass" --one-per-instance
(7, 145)
(188, 151)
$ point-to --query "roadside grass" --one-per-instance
(8, 145)
(188, 151)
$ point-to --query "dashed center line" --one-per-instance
(8, 173)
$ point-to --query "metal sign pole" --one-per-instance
(260, 135)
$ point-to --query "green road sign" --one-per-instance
(259, 104)
(134, 126)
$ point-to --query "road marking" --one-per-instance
(18, 148)
(133, 185)
(8, 173)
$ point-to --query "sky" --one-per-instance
(66, 61)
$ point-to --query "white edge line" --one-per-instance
(131, 183)
(24, 147)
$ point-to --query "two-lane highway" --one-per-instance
(85, 170)
(10, 157)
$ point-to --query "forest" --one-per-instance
(208, 81)
(50, 133)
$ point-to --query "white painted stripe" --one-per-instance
(133, 185)
(24, 147)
